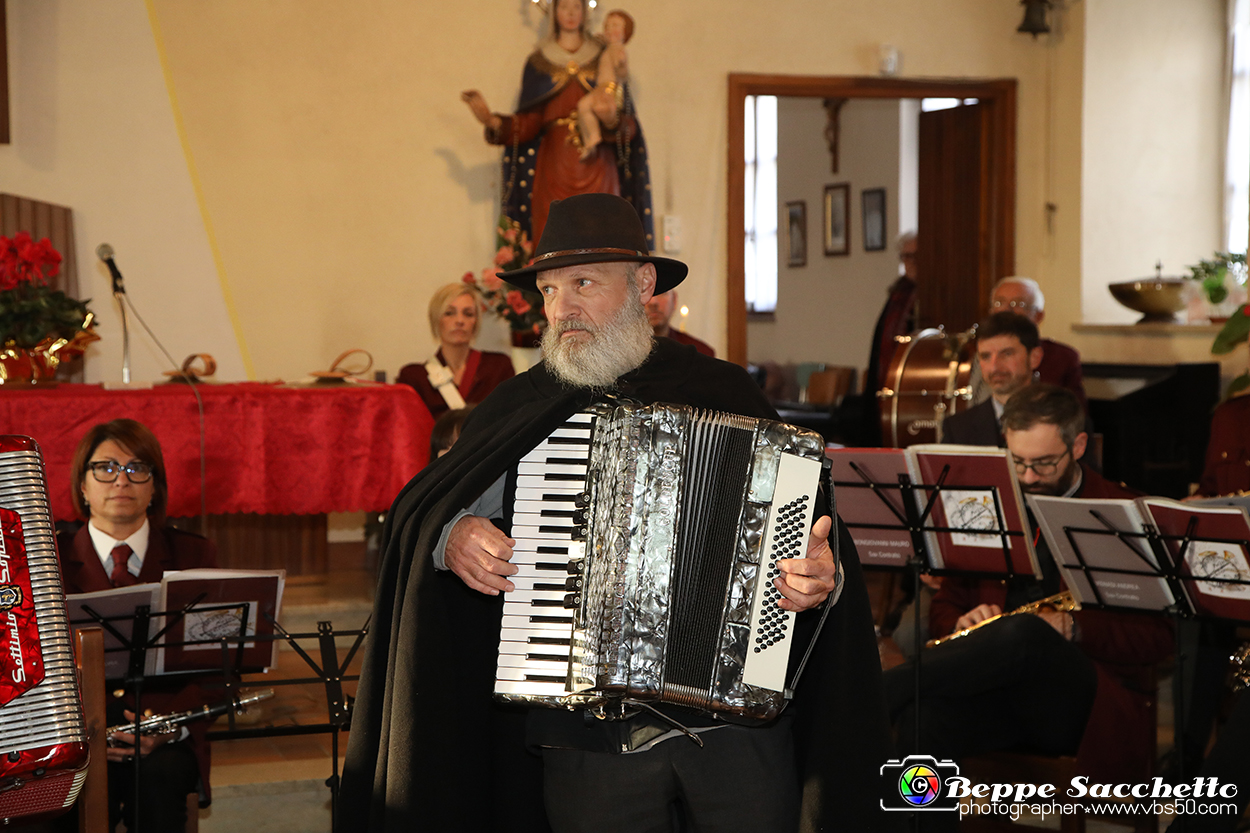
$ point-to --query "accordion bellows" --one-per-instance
(686, 514)
(43, 750)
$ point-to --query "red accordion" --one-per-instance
(43, 741)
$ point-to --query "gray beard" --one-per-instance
(616, 348)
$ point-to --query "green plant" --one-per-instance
(1211, 274)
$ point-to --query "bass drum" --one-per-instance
(928, 380)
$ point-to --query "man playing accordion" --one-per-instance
(431, 750)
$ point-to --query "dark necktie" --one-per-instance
(121, 573)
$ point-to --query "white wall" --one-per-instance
(826, 310)
(1152, 150)
(93, 128)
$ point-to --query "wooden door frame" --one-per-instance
(999, 252)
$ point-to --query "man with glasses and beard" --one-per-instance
(431, 750)
(1052, 682)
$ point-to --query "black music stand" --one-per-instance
(1167, 569)
(330, 673)
(914, 520)
(137, 645)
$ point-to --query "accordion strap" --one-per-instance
(826, 480)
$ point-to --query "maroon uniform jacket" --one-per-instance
(1227, 469)
(1061, 365)
(702, 346)
(482, 372)
(1118, 745)
(168, 549)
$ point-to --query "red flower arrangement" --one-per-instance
(522, 310)
(24, 260)
(30, 310)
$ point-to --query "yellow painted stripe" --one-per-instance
(199, 193)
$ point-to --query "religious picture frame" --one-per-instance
(873, 206)
(796, 233)
(837, 229)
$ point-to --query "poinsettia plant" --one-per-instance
(31, 310)
(522, 310)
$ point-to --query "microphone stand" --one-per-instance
(119, 292)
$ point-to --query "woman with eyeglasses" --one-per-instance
(118, 485)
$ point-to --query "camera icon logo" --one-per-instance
(915, 783)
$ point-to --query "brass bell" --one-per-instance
(1035, 18)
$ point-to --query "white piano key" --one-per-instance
(544, 508)
(546, 469)
(525, 636)
(519, 596)
(532, 484)
(507, 672)
(574, 549)
(548, 668)
(562, 495)
(530, 689)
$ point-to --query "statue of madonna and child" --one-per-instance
(574, 130)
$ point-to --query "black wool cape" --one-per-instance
(430, 750)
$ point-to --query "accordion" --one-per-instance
(43, 744)
(647, 541)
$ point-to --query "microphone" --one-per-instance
(105, 252)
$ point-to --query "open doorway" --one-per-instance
(962, 199)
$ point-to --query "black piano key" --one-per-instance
(548, 565)
(568, 440)
(566, 461)
(549, 640)
(561, 498)
(558, 530)
(541, 586)
(542, 678)
(547, 602)
(547, 549)
(551, 620)
(547, 657)
(557, 513)
(558, 477)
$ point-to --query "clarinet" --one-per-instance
(163, 724)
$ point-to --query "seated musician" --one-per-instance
(118, 484)
(1061, 364)
(1008, 351)
(660, 311)
(1054, 683)
(425, 721)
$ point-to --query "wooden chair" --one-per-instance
(93, 801)
(828, 386)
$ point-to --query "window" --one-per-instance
(760, 200)
(1237, 161)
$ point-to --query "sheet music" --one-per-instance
(1082, 556)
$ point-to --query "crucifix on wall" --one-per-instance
(833, 106)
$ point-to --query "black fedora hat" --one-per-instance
(594, 228)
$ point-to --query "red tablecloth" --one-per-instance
(269, 449)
